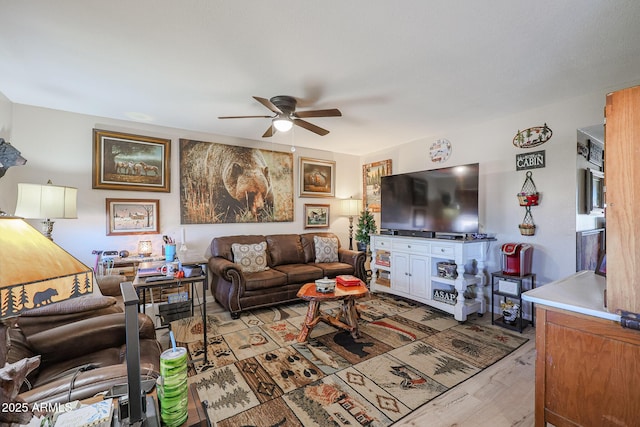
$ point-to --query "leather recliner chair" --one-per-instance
(82, 345)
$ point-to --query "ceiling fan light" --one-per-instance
(282, 124)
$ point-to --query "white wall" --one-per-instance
(6, 117)
(490, 144)
(58, 146)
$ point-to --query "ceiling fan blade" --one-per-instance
(246, 117)
(268, 133)
(270, 105)
(310, 126)
(333, 112)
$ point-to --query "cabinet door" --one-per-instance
(622, 179)
(400, 268)
(419, 279)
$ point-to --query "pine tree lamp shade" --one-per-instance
(34, 271)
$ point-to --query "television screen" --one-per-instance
(438, 200)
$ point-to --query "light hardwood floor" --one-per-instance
(500, 396)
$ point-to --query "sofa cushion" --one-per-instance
(221, 246)
(285, 249)
(264, 279)
(309, 246)
(333, 269)
(300, 273)
(250, 257)
(326, 249)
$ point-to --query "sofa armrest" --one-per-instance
(226, 269)
(110, 284)
(86, 336)
(356, 259)
(85, 384)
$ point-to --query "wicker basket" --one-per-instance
(528, 199)
(527, 229)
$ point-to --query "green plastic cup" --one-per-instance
(173, 391)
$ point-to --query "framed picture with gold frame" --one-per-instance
(371, 177)
(124, 161)
(317, 178)
(133, 216)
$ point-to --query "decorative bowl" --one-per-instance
(325, 285)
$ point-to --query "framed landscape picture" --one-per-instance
(317, 178)
(316, 216)
(132, 216)
(371, 176)
(130, 162)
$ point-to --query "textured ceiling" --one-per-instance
(398, 71)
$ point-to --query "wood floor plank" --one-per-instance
(500, 396)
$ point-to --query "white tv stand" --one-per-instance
(407, 266)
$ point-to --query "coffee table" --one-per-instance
(348, 312)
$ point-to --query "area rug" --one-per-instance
(259, 375)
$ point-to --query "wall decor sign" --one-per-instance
(222, 183)
(123, 161)
(317, 178)
(440, 151)
(532, 160)
(532, 137)
(371, 177)
(316, 216)
(132, 216)
(596, 153)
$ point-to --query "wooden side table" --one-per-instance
(349, 313)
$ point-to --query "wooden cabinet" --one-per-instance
(622, 181)
(410, 274)
(587, 371)
(407, 266)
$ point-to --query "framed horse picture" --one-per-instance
(123, 161)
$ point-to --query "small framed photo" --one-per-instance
(317, 178)
(123, 161)
(132, 216)
(596, 153)
(316, 216)
(594, 192)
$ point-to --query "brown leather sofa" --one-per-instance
(82, 346)
(291, 261)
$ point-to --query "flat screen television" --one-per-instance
(441, 201)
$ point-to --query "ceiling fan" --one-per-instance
(285, 115)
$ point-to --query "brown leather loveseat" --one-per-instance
(288, 262)
(82, 345)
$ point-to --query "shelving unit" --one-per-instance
(507, 287)
(407, 266)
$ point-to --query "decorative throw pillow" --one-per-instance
(251, 258)
(326, 249)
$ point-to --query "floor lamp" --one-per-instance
(350, 207)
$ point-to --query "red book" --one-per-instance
(348, 280)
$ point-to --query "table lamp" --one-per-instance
(145, 248)
(36, 201)
(350, 207)
(34, 272)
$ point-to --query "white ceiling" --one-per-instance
(398, 70)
